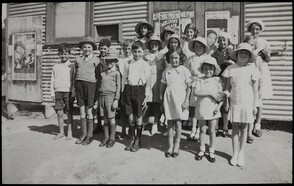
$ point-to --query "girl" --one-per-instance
(242, 85)
(164, 37)
(222, 55)
(199, 48)
(211, 40)
(156, 68)
(144, 31)
(261, 48)
(190, 33)
(175, 91)
(208, 90)
(127, 56)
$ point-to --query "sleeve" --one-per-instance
(220, 84)
(226, 73)
(187, 63)
(188, 76)
(124, 75)
(163, 79)
(52, 82)
(147, 77)
(118, 85)
(255, 73)
(197, 83)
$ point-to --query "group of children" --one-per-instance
(185, 79)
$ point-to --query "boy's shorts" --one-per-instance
(133, 97)
(85, 93)
(105, 102)
(63, 101)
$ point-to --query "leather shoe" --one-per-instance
(136, 146)
(130, 145)
(87, 141)
(110, 143)
(81, 140)
(175, 154)
(167, 154)
(211, 159)
(199, 157)
(104, 142)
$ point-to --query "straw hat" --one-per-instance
(176, 36)
(164, 31)
(138, 26)
(243, 46)
(212, 61)
(198, 39)
(255, 21)
(112, 57)
(88, 40)
(153, 38)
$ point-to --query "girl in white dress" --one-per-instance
(209, 92)
(190, 33)
(175, 90)
(262, 48)
(242, 83)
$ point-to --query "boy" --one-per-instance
(135, 76)
(109, 93)
(62, 90)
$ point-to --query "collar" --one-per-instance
(88, 57)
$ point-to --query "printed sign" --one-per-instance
(170, 20)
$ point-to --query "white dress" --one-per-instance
(176, 80)
(242, 97)
(205, 104)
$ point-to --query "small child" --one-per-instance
(208, 90)
(62, 90)
(175, 91)
(261, 48)
(135, 76)
(127, 56)
(85, 83)
(191, 33)
(156, 63)
(109, 93)
(199, 47)
(222, 55)
(144, 30)
(242, 83)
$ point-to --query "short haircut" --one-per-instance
(181, 53)
(207, 64)
(138, 44)
(193, 27)
(249, 28)
(63, 47)
(127, 42)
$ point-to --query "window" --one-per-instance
(113, 32)
(68, 22)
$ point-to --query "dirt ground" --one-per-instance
(31, 156)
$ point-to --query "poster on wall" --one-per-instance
(24, 56)
(216, 22)
(170, 19)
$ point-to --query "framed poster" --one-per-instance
(24, 56)
(170, 19)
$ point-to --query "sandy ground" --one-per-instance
(31, 156)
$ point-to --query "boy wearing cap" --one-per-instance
(135, 77)
(109, 93)
(85, 87)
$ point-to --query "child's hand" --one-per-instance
(114, 104)
(215, 111)
(95, 105)
(185, 105)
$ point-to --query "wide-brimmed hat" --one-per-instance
(255, 21)
(164, 31)
(176, 36)
(112, 57)
(137, 28)
(153, 38)
(243, 46)
(198, 39)
(212, 61)
(88, 40)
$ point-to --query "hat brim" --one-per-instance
(233, 56)
(137, 28)
(80, 44)
(216, 67)
(191, 46)
(164, 31)
(255, 21)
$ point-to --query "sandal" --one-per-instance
(200, 155)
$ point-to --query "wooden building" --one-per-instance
(53, 23)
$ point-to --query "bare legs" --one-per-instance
(238, 143)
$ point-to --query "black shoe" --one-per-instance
(136, 145)
(167, 154)
(110, 143)
(87, 141)
(130, 145)
(199, 157)
(175, 154)
(81, 140)
(104, 142)
(210, 159)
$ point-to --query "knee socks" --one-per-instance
(132, 130)
(84, 126)
(106, 130)
(112, 131)
(90, 127)
(139, 131)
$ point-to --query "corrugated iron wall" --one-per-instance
(279, 33)
(130, 13)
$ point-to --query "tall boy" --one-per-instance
(62, 89)
(135, 76)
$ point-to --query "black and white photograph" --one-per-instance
(147, 92)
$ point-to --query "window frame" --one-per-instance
(118, 23)
(50, 25)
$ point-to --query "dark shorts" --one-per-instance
(63, 101)
(133, 97)
(105, 105)
(85, 93)
(191, 112)
(153, 109)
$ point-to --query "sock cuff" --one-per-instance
(211, 149)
